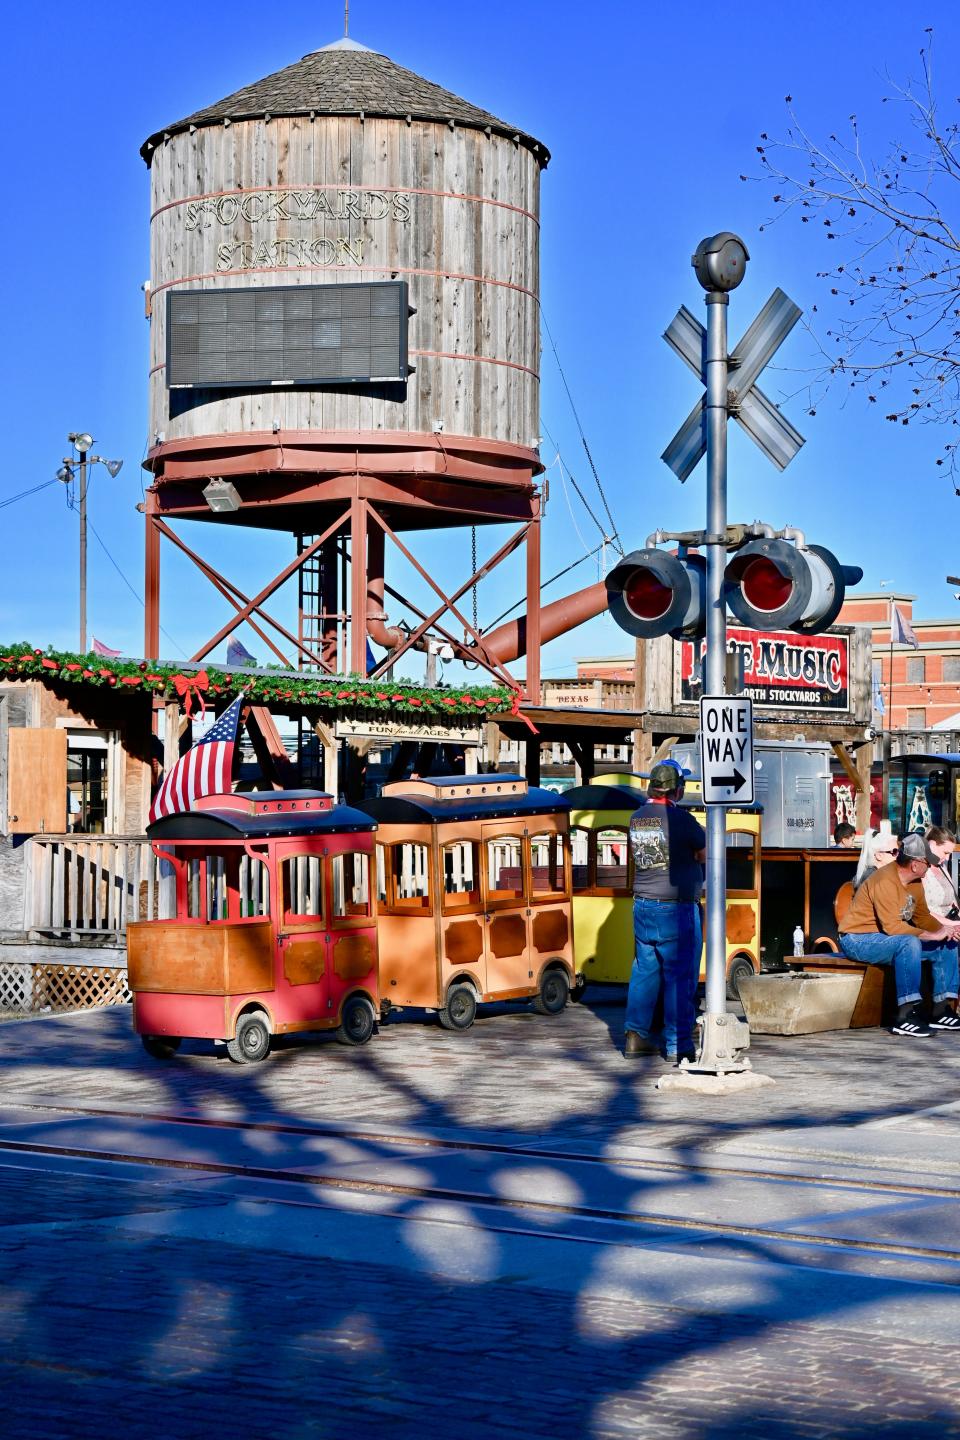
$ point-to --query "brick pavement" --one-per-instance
(135, 1337)
(105, 1330)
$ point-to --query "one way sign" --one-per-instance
(726, 750)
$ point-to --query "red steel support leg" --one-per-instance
(151, 588)
(358, 586)
(533, 611)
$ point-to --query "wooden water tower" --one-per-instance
(345, 341)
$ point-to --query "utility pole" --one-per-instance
(83, 444)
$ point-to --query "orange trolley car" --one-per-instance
(473, 895)
(274, 931)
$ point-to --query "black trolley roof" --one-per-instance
(439, 798)
(261, 815)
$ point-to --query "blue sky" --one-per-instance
(650, 120)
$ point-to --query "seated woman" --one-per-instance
(941, 897)
(878, 849)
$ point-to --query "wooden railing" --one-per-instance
(86, 885)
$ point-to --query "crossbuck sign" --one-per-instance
(747, 404)
(726, 750)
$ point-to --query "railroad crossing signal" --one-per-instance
(726, 750)
(746, 403)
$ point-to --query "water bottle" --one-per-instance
(798, 940)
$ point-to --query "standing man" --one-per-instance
(668, 848)
(888, 923)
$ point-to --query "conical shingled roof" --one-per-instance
(346, 79)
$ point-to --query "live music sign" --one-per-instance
(781, 669)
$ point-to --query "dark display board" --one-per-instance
(287, 335)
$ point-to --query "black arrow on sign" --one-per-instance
(733, 782)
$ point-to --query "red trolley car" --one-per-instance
(275, 925)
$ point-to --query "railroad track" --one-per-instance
(605, 1224)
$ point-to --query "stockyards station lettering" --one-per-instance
(324, 221)
(781, 669)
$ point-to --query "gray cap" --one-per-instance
(914, 847)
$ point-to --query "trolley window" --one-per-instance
(350, 882)
(742, 859)
(254, 888)
(460, 875)
(547, 871)
(505, 869)
(613, 874)
(403, 883)
(580, 858)
(602, 862)
(301, 882)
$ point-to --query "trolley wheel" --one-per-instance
(579, 990)
(460, 1010)
(252, 1041)
(739, 970)
(161, 1047)
(554, 992)
(357, 1019)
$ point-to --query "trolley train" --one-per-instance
(288, 919)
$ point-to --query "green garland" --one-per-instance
(350, 693)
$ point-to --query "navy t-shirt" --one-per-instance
(664, 840)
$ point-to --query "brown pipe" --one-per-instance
(508, 642)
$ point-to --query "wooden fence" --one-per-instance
(92, 885)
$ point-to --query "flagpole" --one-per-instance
(887, 747)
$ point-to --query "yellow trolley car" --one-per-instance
(603, 879)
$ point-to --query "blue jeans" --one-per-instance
(667, 963)
(943, 968)
(902, 951)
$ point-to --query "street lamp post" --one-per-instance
(83, 443)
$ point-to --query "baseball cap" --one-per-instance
(678, 767)
(666, 776)
(914, 847)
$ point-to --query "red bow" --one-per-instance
(188, 685)
(515, 711)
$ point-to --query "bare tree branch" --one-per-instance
(891, 316)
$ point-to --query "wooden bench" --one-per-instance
(877, 1001)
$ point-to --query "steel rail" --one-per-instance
(630, 1220)
(495, 1147)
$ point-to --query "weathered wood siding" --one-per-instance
(460, 226)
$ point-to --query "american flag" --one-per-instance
(204, 770)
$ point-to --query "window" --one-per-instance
(505, 869)
(254, 885)
(301, 878)
(403, 877)
(580, 858)
(460, 875)
(951, 669)
(613, 851)
(547, 876)
(915, 669)
(741, 861)
(917, 719)
(351, 886)
(602, 863)
(89, 755)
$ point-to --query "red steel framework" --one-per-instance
(351, 493)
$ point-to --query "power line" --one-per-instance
(11, 499)
(133, 592)
(583, 439)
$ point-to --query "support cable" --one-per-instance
(583, 438)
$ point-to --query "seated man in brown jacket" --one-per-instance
(887, 923)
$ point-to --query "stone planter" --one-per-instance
(799, 1004)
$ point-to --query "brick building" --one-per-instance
(926, 681)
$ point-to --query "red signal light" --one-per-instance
(646, 597)
(764, 585)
